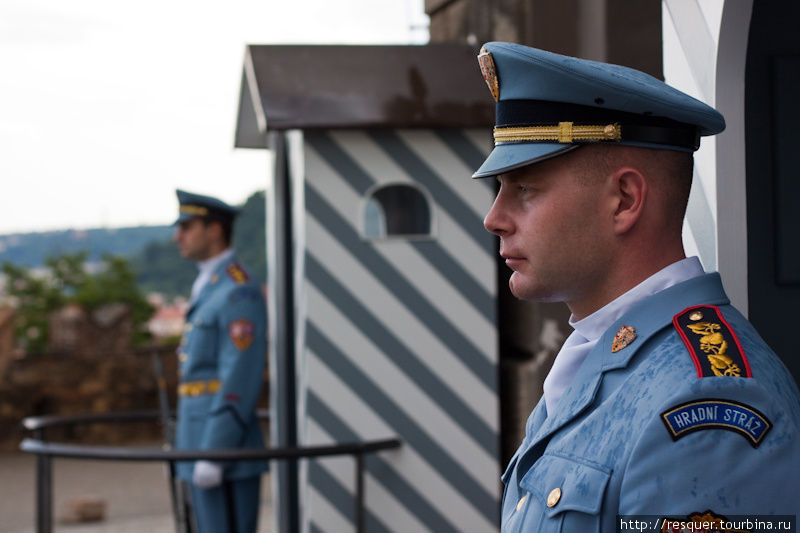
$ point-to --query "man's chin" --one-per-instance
(526, 290)
(519, 288)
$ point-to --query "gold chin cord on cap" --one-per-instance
(564, 132)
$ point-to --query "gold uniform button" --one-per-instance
(697, 315)
(521, 502)
(183, 358)
(554, 497)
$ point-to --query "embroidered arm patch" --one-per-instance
(713, 345)
(242, 332)
(697, 415)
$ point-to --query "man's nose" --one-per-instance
(496, 220)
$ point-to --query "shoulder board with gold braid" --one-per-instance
(237, 273)
(713, 345)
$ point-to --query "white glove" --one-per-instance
(207, 474)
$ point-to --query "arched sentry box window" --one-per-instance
(397, 210)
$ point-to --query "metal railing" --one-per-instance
(45, 452)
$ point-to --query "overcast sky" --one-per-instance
(107, 106)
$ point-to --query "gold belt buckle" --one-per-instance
(197, 388)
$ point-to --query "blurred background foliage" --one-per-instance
(70, 279)
(95, 277)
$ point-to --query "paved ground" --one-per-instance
(136, 494)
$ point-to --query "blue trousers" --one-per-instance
(231, 507)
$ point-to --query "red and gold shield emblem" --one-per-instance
(623, 338)
(241, 332)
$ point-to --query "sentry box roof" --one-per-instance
(331, 87)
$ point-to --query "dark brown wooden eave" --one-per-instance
(340, 86)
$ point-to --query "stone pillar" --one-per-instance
(627, 32)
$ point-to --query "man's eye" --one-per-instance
(524, 188)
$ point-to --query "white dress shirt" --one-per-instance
(588, 330)
(206, 269)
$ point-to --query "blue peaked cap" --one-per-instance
(191, 205)
(549, 104)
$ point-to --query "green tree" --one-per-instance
(68, 280)
(67, 273)
(161, 269)
(35, 298)
(249, 236)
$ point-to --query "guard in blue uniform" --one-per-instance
(664, 405)
(222, 357)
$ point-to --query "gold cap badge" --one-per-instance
(623, 338)
(486, 62)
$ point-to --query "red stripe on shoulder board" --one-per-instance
(712, 343)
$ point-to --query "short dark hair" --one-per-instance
(682, 169)
(672, 170)
(225, 224)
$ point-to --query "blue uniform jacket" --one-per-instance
(222, 357)
(638, 432)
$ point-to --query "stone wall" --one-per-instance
(107, 329)
(55, 384)
(627, 32)
(6, 338)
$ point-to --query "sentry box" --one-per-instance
(382, 282)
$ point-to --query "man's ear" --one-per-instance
(630, 188)
(215, 229)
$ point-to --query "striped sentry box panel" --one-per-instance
(399, 335)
